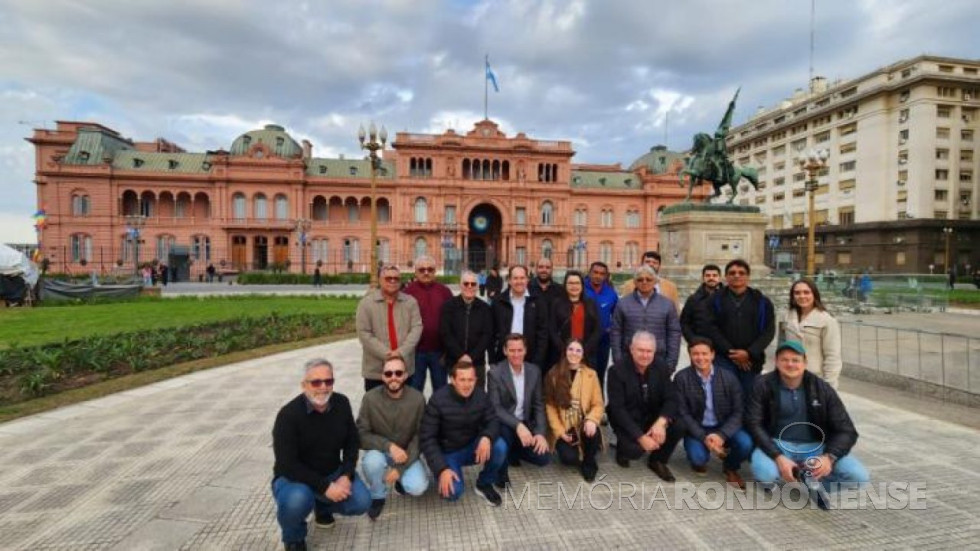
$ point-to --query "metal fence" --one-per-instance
(947, 360)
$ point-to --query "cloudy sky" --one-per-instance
(602, 73)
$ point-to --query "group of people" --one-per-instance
(523, 380)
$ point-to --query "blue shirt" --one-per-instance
(792, 422)
(709, 419)
(605, 301)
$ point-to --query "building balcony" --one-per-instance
(171, 221)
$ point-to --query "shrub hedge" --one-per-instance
(271, 278)
(33, 371)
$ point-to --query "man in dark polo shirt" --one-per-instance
(315, 442)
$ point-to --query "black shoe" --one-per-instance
(487, 492)
(503, 480)
(515, 462)
(622, 462)
(295, 546)
(323, 520)
(374, 511)
(399, 489)
(589, 470)
(661, 470)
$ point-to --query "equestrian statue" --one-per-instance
(708, 161)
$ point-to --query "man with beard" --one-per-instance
(460, 429)
(692, 319)
(389, 428)
(315, 443)
(516, 311)
(546, 290)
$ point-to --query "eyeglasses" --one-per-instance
(392, 279)
(468, 284)
(425, 270)
(317, 383)
(394, 373)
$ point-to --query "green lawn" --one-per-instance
(30, 326)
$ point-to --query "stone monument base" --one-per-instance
(695, 234)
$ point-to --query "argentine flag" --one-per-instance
(492, 77)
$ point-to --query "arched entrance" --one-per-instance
(484, 226)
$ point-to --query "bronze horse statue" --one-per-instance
(707, 164)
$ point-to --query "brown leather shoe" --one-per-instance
(700, 470)
(734, 479)
(662, 471)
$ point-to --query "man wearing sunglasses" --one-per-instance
(315, 442)
(431, 296)
(646, 310)
(388, 325)
(388, 423)
(467, 327)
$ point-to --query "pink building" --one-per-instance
(474, 199)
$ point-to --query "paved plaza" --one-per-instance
(186, 464)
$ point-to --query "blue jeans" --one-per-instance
(601, 361)
(739, 448)
(516, 452)
(431, 361)
(847, 469)
(295, 500)
(746, 378)
(466, 456)
(375, 464)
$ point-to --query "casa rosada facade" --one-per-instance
(475, 200)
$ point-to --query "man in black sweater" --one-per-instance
(692, 319)
(460, 428)
(315, 442)
(740, 321)
(642, 407)
(466, 327)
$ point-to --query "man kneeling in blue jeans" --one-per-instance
(459, 429)
(798, 421)
(389, 427)
(315, 443)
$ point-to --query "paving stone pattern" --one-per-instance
(186, 464)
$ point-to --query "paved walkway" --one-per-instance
(186, 463)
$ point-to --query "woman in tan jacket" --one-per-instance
(807, 321)
(573, 404)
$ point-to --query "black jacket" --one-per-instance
(310, 446)
(535, 328)
(693, 317)
(465, 330)
(823, 408)
(751, 326)
(726, 392)
(629, 415)
(452, 422)
(495, 284)
(560, 326)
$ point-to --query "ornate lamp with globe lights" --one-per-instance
(373, 141)
(812, 162)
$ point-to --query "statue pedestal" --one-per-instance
(695, 234)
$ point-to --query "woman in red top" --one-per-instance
(574, 316)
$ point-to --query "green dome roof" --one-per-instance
(657, 160)
(273, 136)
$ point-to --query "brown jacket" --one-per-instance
(372, 331)
(587, 392)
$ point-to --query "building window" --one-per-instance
(581, 217)
(940, 214)
(606, 220)
(848, 166)
(81, 248)
(941, 195)
(966, 175)
(846, 185)
(843, 258)
(848, 148)
(606, 252)
(943, 111)
(946, 91)
(845, 216)
(521, 256)
(966, 155)
(632, 254)
(900, 258)
(942, 154)
(450, 217)
(547, 248)
(352, 251)
(201, 248)
(421, 210)
(238, 206)
(942, 174)
(384, 211)
(547, 213)
(320, 250)
(632, 219)
(520, 216)
(384, 250)
(165, 244)
(421, 247)
(261, 211)
(282, 207)
(965, 135)
(353, 210)
(80, 205)
(822, 137)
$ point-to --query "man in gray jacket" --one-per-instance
(516, 393)
(388, 325)
(646, 310)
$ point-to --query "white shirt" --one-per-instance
(517, 322)
(519, 390)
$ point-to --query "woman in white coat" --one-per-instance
(808, 321)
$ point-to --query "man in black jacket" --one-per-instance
(532, 323)
(459, 428)
(466, 327)
(798, 422)
(692, 320)
(710, 411)
(315, 442)
(642, 407)
(741, 324)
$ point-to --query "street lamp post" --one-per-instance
(375, 142)
(134, 226)
(303, 227)
(947, 232)
(812, 162)
(799, 240)
(448, 246)
(580, 243)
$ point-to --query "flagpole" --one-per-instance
(486, 63)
